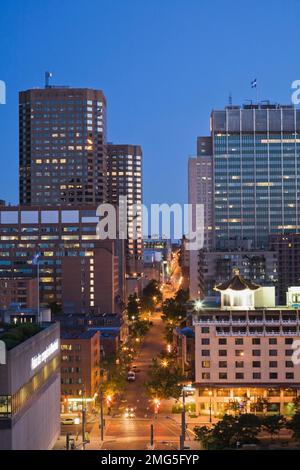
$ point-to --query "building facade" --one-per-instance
(62, 139)
(287, 249)
(21, 291)
(30, 388)
(200, 191)
(124, 179)
(256, 172)
(80, 368)
(71, 255)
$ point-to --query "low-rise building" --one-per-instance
(29, 386)
(80, 368)
(184, 347)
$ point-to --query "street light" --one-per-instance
(198, 304)
(210, 395)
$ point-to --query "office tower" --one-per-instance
(124, 178)
(30, 387)
(77, 271)
(258, 265)
(80, 382)
(62, 146)
(287, 249)
(256, 172)
(243, 352)
(200, 184)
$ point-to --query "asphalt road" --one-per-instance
(134, 433)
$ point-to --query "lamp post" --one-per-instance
(210, 414)
(183, 421)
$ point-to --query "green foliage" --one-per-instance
(55, 308)
(190, 408)
(164, 382)
(16, 334)
(140, 328)
(229, 431)
(115, 383)
(151, 296)
(174, 309)
(273, 424)
(294, 425)
(133, 306)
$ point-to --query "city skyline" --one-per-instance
(181, 97)
(149, 227)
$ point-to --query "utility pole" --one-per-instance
(102, 422)
(183, 422)
(151, 435)
(83, 419)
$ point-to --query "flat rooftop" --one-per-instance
(13, 335)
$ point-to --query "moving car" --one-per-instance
(129, 413)
(74, 420)
(131, 376)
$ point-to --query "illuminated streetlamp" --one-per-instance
(198, 304)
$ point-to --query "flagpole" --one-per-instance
(38, 288)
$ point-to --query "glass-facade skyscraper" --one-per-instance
(256, 152)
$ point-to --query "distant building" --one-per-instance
(124, 178)
(184, 347)
(16, 314)
(62, 152)
(287, 249)
(243, 352)
(80, 368)
(30, 387)
(200, 190)
(214, 266)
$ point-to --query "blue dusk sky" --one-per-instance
(162, 64)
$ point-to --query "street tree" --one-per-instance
(273, 424)
(165, 380)
(294, 425)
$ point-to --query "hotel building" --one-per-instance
(243, 352)
(30, 387)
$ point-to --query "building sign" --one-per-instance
(43, 356)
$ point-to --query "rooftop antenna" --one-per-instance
(230, 99)
(48, 75)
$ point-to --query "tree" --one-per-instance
(151, 296)
(55, 308)
(204, 435)
(140, 328)
(229, 431)
(133, 306)
(164, 381)
(174, 309)
(273, 424)
(294, 425)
